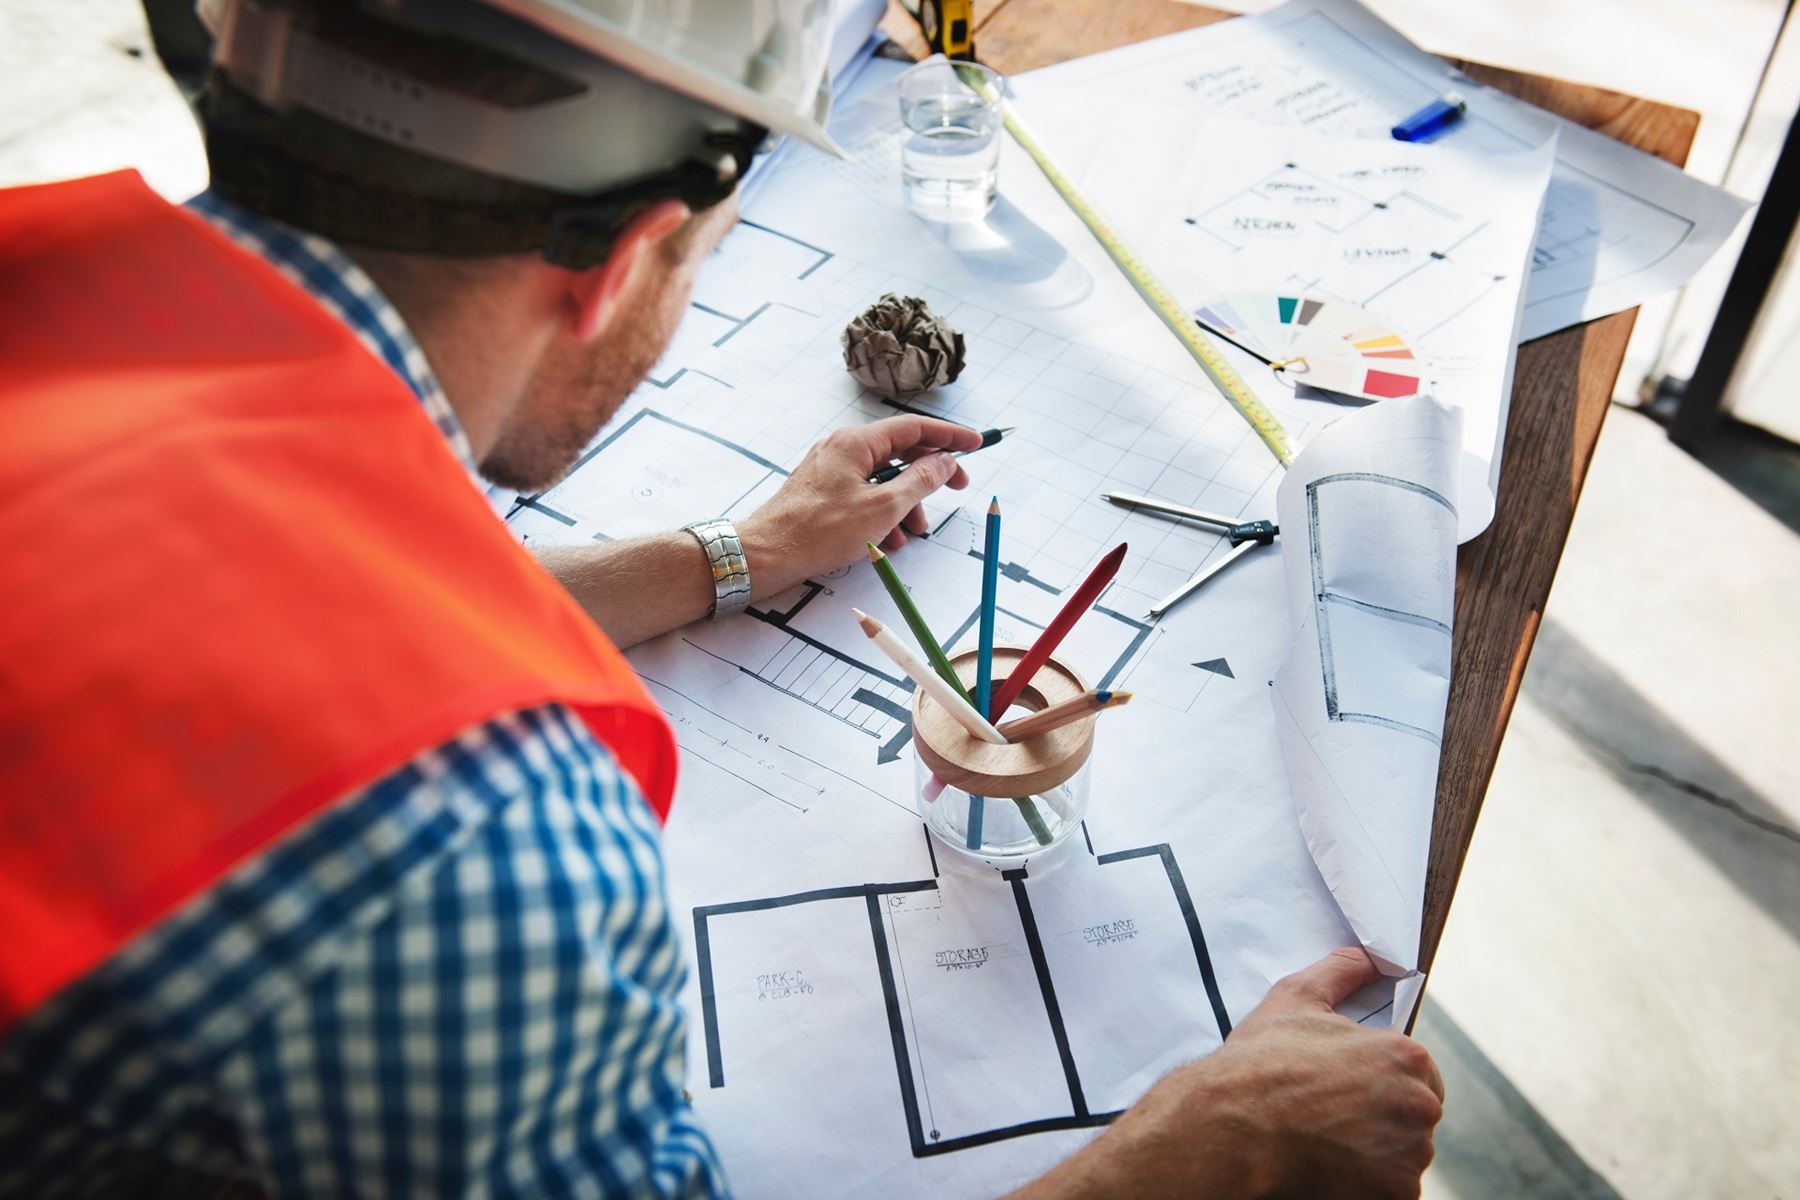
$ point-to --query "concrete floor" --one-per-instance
(1617, 1004)
(1618, 994)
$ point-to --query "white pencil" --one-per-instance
(926, 678)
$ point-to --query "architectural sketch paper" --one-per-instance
(1618, 226)
(871, 1016)
(1436, 241)
(1368, 536)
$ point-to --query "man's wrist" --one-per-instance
(770, 555)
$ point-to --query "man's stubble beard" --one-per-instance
(570, 397)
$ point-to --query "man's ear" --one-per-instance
(596, 294)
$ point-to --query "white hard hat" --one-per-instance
(641, 85)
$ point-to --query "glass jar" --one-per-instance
(1003, 804)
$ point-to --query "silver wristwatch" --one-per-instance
(731, 574)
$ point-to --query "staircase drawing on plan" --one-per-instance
(917, 974)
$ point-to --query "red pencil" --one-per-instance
(1053, 634)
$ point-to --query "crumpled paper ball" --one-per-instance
(899, 348)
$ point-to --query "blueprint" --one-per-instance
(867, 1016)
(1617, 225)
(1436, 240)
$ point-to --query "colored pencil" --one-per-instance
(1033, 819)
(984, 654)
(1066, 713)
(989, 437)
(915, 621)
(919, 673)
(1084, 598)
(990, 598)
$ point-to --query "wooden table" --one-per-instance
(1561, 390)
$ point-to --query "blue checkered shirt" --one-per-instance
(461, 980)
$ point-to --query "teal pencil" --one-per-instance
(984, 655)
(990, 596)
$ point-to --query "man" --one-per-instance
(328, 858)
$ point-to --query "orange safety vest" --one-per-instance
(241, 576)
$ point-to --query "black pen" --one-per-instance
(892, 471)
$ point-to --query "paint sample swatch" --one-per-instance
(1324, 344)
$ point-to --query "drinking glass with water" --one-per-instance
(950, 157)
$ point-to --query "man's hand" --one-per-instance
(828, 510)
(1300, 1102)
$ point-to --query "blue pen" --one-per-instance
(1431, 120)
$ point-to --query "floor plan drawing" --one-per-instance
(1615, 226)
(1372, 239)
(1432, 243)
(856, 980)
(908, 960)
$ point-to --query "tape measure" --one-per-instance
(1181, 323)
(949, 26)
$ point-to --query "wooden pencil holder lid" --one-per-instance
(1023, 768)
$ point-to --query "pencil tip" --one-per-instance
(874, 552)
(1008, 429)
(994, 507)
(869, 624)
(1120, 698)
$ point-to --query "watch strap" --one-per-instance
(730, 572)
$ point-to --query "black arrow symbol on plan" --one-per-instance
(1217, 666)
(890, 752)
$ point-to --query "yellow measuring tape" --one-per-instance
(1181, 323)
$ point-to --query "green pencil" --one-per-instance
(914, 621)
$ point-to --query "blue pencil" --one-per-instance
(984, 661)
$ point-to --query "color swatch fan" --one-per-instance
(1325, 344)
